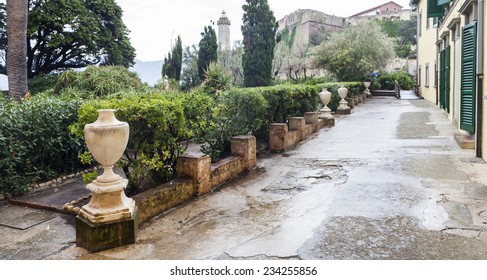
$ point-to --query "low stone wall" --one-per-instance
(196, 176)
(282, 137)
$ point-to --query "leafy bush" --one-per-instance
(42, 83)
(158, 129)
(216, 80)
(238, 112)
(98, 82)
(405, 80)
(35, 143)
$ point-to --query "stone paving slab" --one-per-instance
(54, 198)
(23, 218)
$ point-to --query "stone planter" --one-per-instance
(325, 112)
(343, 109)
(109, 219)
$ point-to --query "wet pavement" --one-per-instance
(387, 182)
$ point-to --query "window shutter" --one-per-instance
(442, 79)
(447, 79)
(468, 86)
(434, 10)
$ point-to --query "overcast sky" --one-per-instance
(154, 24)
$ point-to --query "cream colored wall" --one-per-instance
(427, 54)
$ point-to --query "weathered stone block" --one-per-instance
(277, 136)
(198, 167)
(161, 198)
(246, 147)
(312, 118)
(344, 111)
(104, 236)
(298, 123)
(226, 169)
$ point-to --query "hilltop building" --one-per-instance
(304, 27)
(389, 10)
(224, 32)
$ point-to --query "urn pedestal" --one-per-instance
(367, 90)
(325, 112)
(343, 109)
(109, 219)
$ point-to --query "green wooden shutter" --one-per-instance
(442, 79)
(434, 10)
(468, 86)
(443, 2)
(447, 78)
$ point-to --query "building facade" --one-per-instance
(451, 63)
(389, 10)
(304, 27)
(224, 32)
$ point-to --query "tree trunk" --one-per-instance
(17, 15)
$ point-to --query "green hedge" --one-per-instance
(35, 142)
(158, 131)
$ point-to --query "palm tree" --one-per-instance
(17, 15)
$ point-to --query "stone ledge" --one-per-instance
(281, 137)
(465, 141)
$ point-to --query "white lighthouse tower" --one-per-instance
(224, 32)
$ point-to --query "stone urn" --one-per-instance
(367, 91)
(325, 112)
(107, 139)
(343, 109)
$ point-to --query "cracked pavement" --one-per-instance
(387, 182)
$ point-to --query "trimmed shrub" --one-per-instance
(238, 112)
(386, 80)
(158, 129)
(35, 142)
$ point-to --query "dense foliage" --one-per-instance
(259, 39)
(355, 52)
(35, 142)
(97, 82)
(190, 77)
(171, 68)
(403, 32)
(74, 34)
(208, 50)
(386, 80)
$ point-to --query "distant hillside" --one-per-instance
(149, 72)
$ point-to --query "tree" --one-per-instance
(17, 14)
(208, 50)
(75, 34)
(190, 77)
(295, 63)
(173, 62)
(230, 61)
(259, 39)
(355, 52)
(402, 31)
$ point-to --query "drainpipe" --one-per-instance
(480, 76)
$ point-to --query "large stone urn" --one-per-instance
(367, 90)
(109, 209)
(343, 109)
(325, 112)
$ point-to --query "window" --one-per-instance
(427, 75)
(419, 75)
(420, 23)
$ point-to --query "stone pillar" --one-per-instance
(277, 136)
(198, 167)
(298, 123)
(312, 118)
(245, 147)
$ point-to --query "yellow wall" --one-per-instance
(427, 53)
